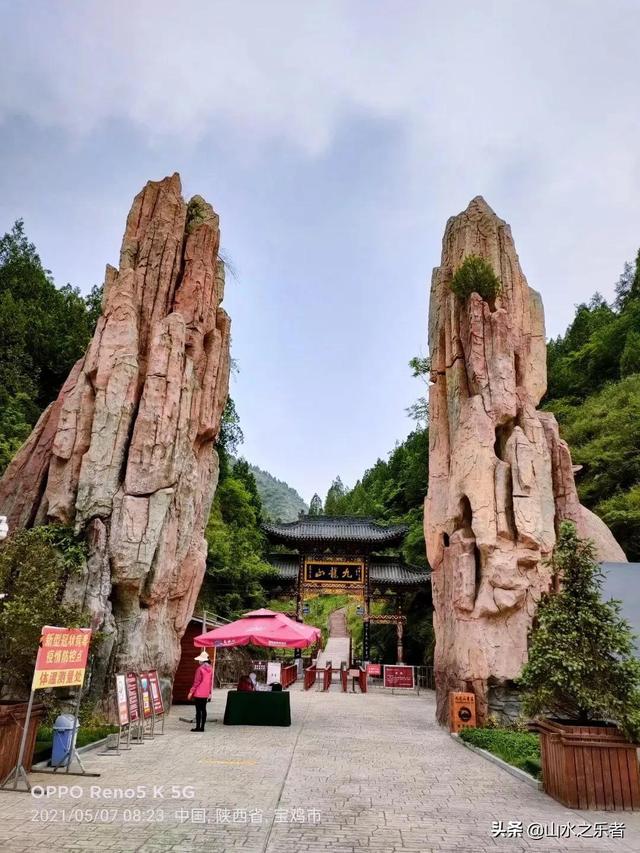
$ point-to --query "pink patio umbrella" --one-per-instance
(261, 628)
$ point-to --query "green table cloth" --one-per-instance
(259, 708)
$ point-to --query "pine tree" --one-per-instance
(582, 664)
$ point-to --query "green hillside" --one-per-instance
(279, 501)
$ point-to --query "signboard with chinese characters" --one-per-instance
(62, 657)
(334, 572)
(462, 711)
(121, 697)
(145, 694)
(156, 693)
(132, 697)
(374, 669)
(398, 676)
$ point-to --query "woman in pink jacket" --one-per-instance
(201, 690)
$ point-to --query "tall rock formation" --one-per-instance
(126, 453)
(500, 477)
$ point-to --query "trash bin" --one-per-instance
(65, 730)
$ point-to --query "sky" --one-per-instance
(334, 139)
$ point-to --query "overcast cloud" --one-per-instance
(334, 139)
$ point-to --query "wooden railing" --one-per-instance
(362, 680)
(326, 676)
(288, 674)
(310, 675)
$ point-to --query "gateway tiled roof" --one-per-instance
(323, 528)
(381, 570)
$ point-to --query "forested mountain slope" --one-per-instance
(280, 502)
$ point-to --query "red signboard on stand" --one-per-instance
(62, 657)
(399, 677)
(374, 670)
(132, 696)
(156, 693)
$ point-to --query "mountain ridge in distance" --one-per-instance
(280, 501)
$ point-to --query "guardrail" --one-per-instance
(288, 674)
(425, 678)
(327, 675)
(310, 675)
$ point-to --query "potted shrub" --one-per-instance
(584, 678)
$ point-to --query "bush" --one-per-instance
(582, 663)
(475, 275)
(520, 749)
(34, 567)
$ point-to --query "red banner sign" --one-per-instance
(374, 669)
(156, 693)
(145, 693)
(399, 676)
(62, 657)
(132, 696)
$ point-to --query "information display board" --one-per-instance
(156, 693)
(400, 677)
(374, 669)
(145, 695)
(121, 696)
(462, 711)
(62, 657)
(132, 697)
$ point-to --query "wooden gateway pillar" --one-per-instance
(400, 650)
(366, 631)
(297, 653)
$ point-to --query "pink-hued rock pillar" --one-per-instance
(500, 477)
(126, 453)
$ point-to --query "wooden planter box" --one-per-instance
(12, 719)
(589, 767)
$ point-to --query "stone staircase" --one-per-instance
(338, 642)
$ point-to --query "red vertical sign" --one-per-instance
(156, 693)
(132, 696)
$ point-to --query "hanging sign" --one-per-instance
(333, 572)
(156, 693)
(132, 696)
(462, 711)
(121, 698)
(145, 694)
(62, 657)
(399, 676)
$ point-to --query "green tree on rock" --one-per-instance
(582, 663)
(333, 504)
(315, 507)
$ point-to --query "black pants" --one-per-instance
(201, 713)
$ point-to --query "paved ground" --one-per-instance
(353, 773)
(338, 645)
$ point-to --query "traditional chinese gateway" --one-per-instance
(341, 554)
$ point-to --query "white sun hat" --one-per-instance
(203, 656)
